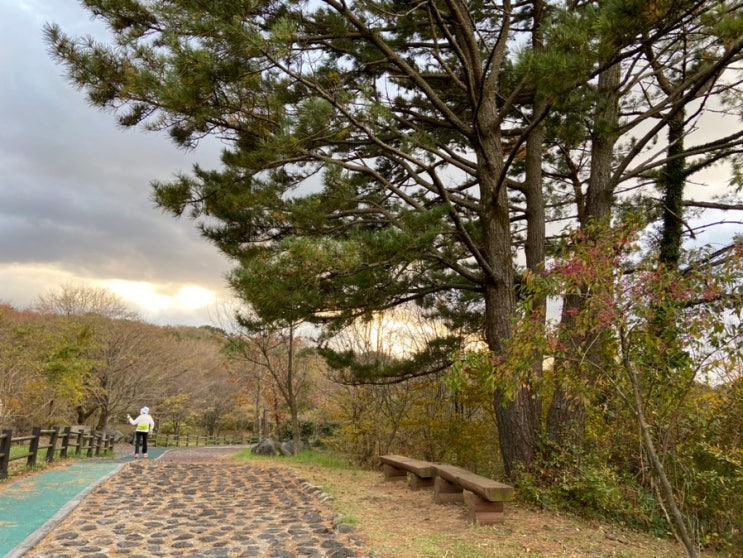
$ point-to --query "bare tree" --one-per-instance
(80, 300)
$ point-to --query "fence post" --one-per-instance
(102, 442)
(79, 441)
(5, 443)
(33, 447)
(65, 442)
(52, 445)
(91, 443)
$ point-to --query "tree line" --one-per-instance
(78, 356)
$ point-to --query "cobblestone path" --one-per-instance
(219, 509)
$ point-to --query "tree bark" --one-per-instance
(517, 424)
(292, 396)
(534, 248)
(673, 182)
(567, 413)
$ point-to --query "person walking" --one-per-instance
(145, 424)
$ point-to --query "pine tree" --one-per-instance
(375, 152)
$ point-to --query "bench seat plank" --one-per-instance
(484, 487)
(420, 468)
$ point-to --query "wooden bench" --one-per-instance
(397, 467)
(484, 499)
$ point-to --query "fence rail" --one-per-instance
(84, 443)
(169, 440)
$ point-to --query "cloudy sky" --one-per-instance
(75, 200)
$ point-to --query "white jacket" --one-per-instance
(143, 422)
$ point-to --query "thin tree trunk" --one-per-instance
(292, 396)
(673, 182)
(257, 423)
(674, 515)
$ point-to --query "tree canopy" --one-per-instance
(385, 152)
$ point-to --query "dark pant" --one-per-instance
(141, 439)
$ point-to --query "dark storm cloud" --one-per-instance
(74, 188)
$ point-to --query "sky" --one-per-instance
(75, 195)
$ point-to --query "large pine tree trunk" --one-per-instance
(534, 248)
(567, 413)
(515, 412)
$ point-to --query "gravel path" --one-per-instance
(189, 503)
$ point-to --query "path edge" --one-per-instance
(33, 539)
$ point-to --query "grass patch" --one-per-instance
(307, 457)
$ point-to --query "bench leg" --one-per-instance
(393, 473)
(483, 512)
(445, 492)
(417, 483)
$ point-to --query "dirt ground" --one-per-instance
(396, 522)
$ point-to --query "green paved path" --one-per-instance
(30, 507)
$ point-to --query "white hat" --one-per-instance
(144, 410)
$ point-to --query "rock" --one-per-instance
(287, 448)
(117, 435)
(266, 447)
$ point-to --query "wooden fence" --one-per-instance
(169, 440)
(46, 443)
(81, 442)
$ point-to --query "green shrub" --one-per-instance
(590, 488)
(710, 481)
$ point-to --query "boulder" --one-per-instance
(287, 448)
(266, 447)
(117, 435)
